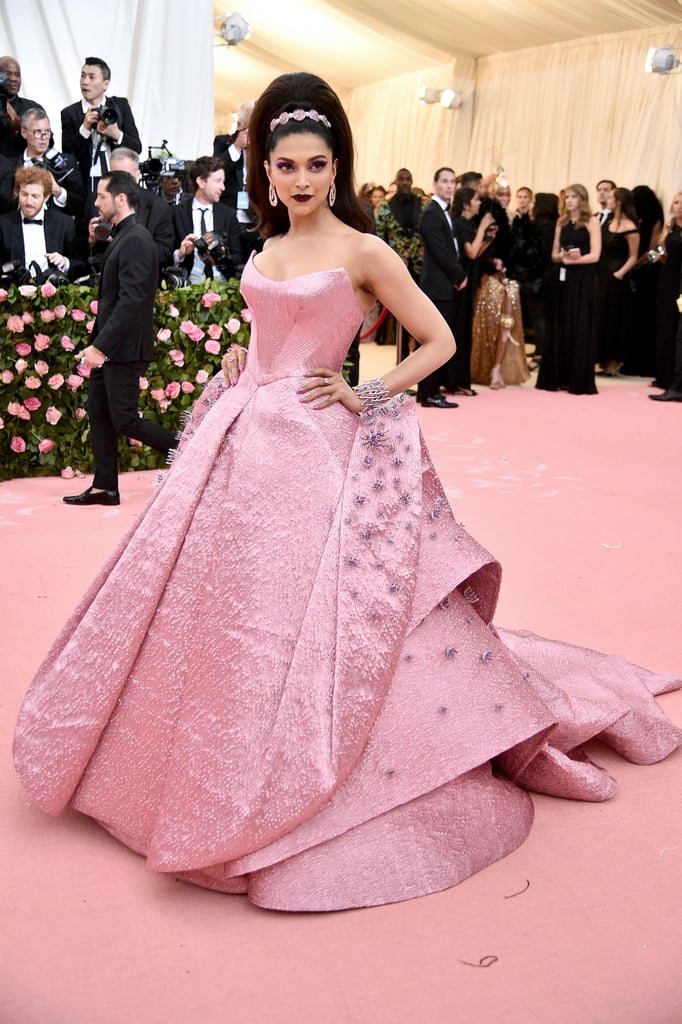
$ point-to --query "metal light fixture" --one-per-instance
(447, 98)
(234, 28)
(661, 60)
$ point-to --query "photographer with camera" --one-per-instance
(207, 232)
(12, 106)
(151, 212)
(67, 192)
(94, 127)
(36, 237)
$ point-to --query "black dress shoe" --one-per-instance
(667, 396)
(412, 392)
(439, 402)
(92, 497)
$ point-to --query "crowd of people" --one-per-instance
(591, 293)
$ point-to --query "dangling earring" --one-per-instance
(272, 195)
(332, 194)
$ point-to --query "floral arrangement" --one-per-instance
(44, 426)
(410, 247)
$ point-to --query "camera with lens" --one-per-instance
(107, 114)
(56, 163)
(174, 277)
(14, 272)
(212, 248)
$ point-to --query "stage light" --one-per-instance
(660, 60)
(234, 28)
(450, 99)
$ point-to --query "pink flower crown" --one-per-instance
(299, 115)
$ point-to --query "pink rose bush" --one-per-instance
(43, 391)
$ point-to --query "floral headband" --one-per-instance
(299, 115)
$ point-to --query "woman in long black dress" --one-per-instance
(570, 353)
(667, 315)
(620, 247)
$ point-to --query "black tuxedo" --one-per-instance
(441, 272)
(73, 142)
(60, 236)
(234, 169)
(124, 331)
(73, 183)
(224, 222)
(152, 213)
(6, 183)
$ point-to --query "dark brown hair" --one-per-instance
(301, 90)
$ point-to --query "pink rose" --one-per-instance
(55, 381)
(197, 334)
(172, 389)
(246, 316)
(93, 306)
(158, 394)
(22, 349)
(164, 334)
(3, 294)
(73, 381)
(134, 442)
(89, 326)
(67, 344)
(32, 403)
(2, 423)
(177, 357)
(67, 473)
(212, 346)
(18, 445)
(6, 377)
(14, 408)
(53, 416)
(209, 299)
(173, 311)
(20, 365)
(41, 343)
(47, 315)
(187, 387)
(214, 331)
(45, 446)
(143, 383)
(32, 382)
(186, 326)
(233, 325)
(201, 377)
(80, 413)
(27, 317)
(15, 324)
(23, 413)
(78, 315)
(84, 371)
(41, 367)
(47, 290)
(163, 406)
(60, 312)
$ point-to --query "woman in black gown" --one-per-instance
(620, 247)
(570, 353)
(667, 315)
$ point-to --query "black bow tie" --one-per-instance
(32, 221)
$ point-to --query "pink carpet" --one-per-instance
(580, 499)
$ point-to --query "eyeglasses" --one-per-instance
(41, 133)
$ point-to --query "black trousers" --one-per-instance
(113, 395)
(430, 386)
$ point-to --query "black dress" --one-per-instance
(570, 351)
(667, 315)
(616, 299)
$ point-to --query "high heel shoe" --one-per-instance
(496, 382)
(506, 323)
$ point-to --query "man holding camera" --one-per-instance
(66, 192)
(93, 128)
(35, 237)
(122, 340)
(207, 232)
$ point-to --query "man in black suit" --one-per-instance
(95, 126)
(12, 106)
(152, 212)
(233, 150)
(66, 193)
(442, 273)
(34, 234)
(201, 215)
(122, 340)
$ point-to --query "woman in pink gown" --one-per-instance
(285, 682)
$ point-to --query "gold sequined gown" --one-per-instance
(496, 297)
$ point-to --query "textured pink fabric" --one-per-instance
(286, 682)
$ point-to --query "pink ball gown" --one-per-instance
(285, 682)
